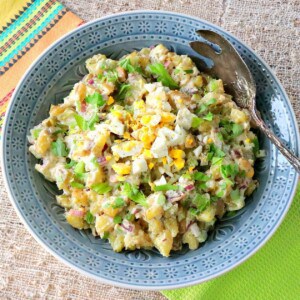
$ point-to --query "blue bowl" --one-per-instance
(52, 76)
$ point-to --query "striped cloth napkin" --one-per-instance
(28, 27)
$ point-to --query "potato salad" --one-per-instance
(147, 151)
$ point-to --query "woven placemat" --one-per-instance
(271, 28)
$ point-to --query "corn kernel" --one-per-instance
(151, 165)
(121, 168)
(108, 157)
(167, 118)
(110, 100)
(147, 153)
(117, 114)
(209, 140)
(164, 160)
(248, 141)
(177, 153)
(145, 119)
(179, 163)
(191, 169)
(180, 101)
(127, 135)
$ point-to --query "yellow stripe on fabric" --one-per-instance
(9, 9)
(23, 37)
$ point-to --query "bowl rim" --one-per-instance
(110, 281)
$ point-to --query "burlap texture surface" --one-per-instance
(271, 28)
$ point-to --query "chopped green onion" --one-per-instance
(211, 101)
(229, 170)
(117, 219)
(59, 148)
(81, 122)
(92, 121)
(126, 64)
(71, 164)
(163, 75)
(90, 219)
(101, 188)
(79, 168)
(119, 202)
(36, 133)
(123, 91)
(129, 217)
(201, 202)
(106, 235)
(196, 122)
(208, 117)
(166, 187)
(217, 160)
(199, 176)
(235, 195)
(161, 199)
(188, 71)
(132, 192)
(237, 130)
(76, 185)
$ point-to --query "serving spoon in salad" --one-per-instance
(231, 68)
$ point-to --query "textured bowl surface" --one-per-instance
(52, 76)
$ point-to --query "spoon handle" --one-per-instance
(291, 157)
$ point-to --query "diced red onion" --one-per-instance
(189, 187)
(113, 178)
(136, 211)
(128, 228)
(102, 160)
(77, 213)
(189, 225)
(91, 81)
(174, 196)
(167, 63)
(236, 153)
(105, 147)
(152, 47)
(83, 106)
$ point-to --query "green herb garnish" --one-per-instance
(70, 164)
(90, 219)
(101, 188)
(36, 133)
(163, 75)
(123, 91)
(166, 187)
(196, 122)
(208, 117)
(126, 64)
(199, 176)
(96, 99)
(59, 148)
(117, 219)
(119, 202)
(201, 202)
(132, 192)
(235, 195)
(76, 185)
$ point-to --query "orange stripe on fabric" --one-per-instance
(11, 77)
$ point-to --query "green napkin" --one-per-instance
(272, 273)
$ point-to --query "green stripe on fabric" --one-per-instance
(30, 34)
(27, 15)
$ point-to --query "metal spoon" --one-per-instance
(230, 67)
